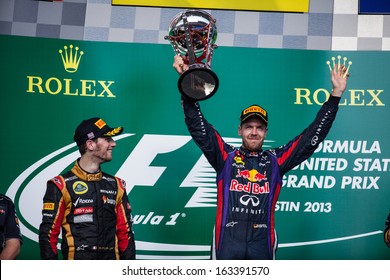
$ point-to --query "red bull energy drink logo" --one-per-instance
(254, 177)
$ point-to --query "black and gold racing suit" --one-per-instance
(94, 214)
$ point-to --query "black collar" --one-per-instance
(248, 153)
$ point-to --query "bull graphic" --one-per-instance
(252, 175)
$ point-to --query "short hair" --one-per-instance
(83, 147)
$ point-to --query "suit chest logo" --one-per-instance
(253, 185)
(80, 187)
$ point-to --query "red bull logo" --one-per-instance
(252, 175)
(252, 188)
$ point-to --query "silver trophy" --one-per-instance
(193, 34)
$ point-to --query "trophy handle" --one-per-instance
(190, 49)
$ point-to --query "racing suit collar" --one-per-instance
(84, 175)
(248, 153)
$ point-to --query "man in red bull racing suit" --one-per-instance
(249, 178)
(91, 207)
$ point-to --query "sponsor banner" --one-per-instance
(332, 206)
(259, 5)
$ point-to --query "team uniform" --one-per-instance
(9, 222)
(94, 214)
(249, 183)
(386, 232)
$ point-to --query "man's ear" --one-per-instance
(239, 130)
(90, 144)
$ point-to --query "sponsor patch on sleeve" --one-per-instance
(48, 206)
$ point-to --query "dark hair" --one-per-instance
(83, 147)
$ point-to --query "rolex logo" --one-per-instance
(71, 58)
(339, 64)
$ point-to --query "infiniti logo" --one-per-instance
(245, 199)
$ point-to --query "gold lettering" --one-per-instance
(37, 84)
(105, 88)
(375, 97)
(57, 81)
(352, 97)
(86, 85)
(355, 96)
(67, 88)
(298, 96)
(315, 96)
(344, 103)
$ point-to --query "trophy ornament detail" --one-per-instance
(193, 34)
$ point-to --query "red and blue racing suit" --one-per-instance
(249, 183)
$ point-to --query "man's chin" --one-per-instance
(108, 159)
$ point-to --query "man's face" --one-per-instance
(253, 132)
(103, 149)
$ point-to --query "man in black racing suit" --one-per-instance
(249, 178)
(89, 206)
(386, 232)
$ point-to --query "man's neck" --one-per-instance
(88, 165)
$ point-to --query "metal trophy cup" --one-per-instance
(192, 34)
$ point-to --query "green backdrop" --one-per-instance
(332, 207)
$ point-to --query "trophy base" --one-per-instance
(198, 83)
